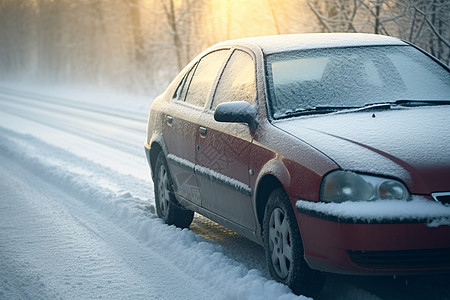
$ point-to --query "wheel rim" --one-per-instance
(163, 190)
(280, 243)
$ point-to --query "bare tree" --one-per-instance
(135, 15)
(172, 20)
(426, 23)
(140, 45)
(274, 16)
(335, 15)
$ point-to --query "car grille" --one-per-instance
(405, 259)
(444, 198)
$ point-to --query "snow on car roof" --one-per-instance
(289, 42)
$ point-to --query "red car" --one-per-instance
(330, 150)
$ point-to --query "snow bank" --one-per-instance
(125, 201)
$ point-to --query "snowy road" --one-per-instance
(77, 216)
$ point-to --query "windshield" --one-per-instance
(352, 77)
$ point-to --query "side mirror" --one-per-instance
(236, 112)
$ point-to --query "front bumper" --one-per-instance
(366, 243)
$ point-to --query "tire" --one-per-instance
(167, 207)
(284, 248)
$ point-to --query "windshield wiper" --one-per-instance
(373, 106)
(406, 102)
(368, 107)
(316, 110)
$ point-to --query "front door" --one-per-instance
(223, 149)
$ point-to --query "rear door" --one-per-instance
(182, 117)
(224, 148)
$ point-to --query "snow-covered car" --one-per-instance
(330, 150)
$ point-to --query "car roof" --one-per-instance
(292, 42)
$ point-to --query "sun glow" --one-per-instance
(244, 18)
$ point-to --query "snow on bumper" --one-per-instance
(418, 210)
(376, 238)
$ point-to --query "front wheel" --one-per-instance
(284, 248)
(167, 207)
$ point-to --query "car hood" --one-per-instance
(411, 144)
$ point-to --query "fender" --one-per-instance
(153, 147)
(276, 168)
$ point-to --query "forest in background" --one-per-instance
(140, 45)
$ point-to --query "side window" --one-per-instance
(180, 93)
(204, 76)
(237, 82)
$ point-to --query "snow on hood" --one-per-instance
(412, 144)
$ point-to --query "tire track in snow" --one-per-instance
(89, 129)
(62, 102)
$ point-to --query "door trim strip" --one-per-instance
(211, 174)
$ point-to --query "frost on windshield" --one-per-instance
(352, 77)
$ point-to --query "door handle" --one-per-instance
(169, 120)
(202, 131)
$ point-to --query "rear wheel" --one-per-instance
(167, 207)
(284, 249)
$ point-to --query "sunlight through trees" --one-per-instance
(139, 45)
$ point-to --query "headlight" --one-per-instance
(340, 186)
